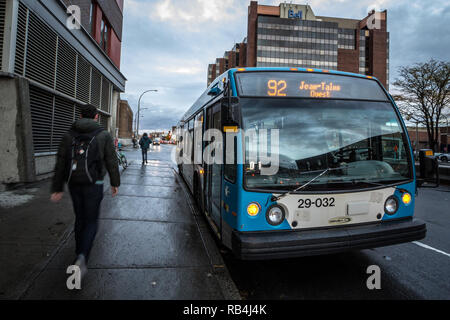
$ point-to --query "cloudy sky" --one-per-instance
(168, 44)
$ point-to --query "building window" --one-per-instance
(91, 18)
(104, 35)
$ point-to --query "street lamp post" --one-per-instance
(135, 120)
(139, 109)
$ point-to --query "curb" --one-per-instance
(227, 285)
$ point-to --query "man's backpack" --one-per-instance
(85, 163)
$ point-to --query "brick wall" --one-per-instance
(348, 60)
(423, 137)
(125, 120)
(243, 55)
(378, 55)
(251, 33)
(232, 60)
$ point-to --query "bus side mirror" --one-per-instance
(230, 112)
(214, 91)
(428, 169)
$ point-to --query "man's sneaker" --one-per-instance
(81, 263)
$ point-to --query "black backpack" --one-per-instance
(85, 162)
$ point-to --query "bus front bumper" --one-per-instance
(298, 243)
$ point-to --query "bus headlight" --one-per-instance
(391, 205)
(406, 198)
(253, 209)
(275, 215)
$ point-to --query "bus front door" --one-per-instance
(214, 172)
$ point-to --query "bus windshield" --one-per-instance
(361, 143)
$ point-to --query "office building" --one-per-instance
(291, 35)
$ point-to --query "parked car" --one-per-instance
(444, 157)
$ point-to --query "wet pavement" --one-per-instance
(148, 246)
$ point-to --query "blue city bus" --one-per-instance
(345, 176)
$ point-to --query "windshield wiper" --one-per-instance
(373, 183)
(274, 198)
(354, 181)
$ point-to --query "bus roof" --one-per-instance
(205, 98)
(317, 70)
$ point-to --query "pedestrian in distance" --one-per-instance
(145, 143)
(86, 152)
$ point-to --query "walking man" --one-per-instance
(145, 145)
(85, 153)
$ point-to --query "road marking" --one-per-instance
(420, 244)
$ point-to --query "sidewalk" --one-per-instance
(31, 228)
(149, 245)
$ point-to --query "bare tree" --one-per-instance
(425, 95)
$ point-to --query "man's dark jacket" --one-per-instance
(107, 153)
(145, 142)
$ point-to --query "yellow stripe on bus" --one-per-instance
(230, 129)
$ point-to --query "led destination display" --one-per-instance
(307, 85)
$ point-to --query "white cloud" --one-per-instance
(182, 70)
(192, 15)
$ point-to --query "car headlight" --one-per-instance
(391, 205)
(275, 215)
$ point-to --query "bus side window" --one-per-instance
(230, 169)
(180, 140)
(198, 138)
(191, 140)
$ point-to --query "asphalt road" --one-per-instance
(419, 270)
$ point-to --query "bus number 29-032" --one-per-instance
(319, 202)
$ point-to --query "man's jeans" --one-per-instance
(86, 204)
(144, 155)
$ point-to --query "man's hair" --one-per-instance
(89, 111)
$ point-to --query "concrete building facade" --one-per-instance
(50, 65)
(291, 35)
